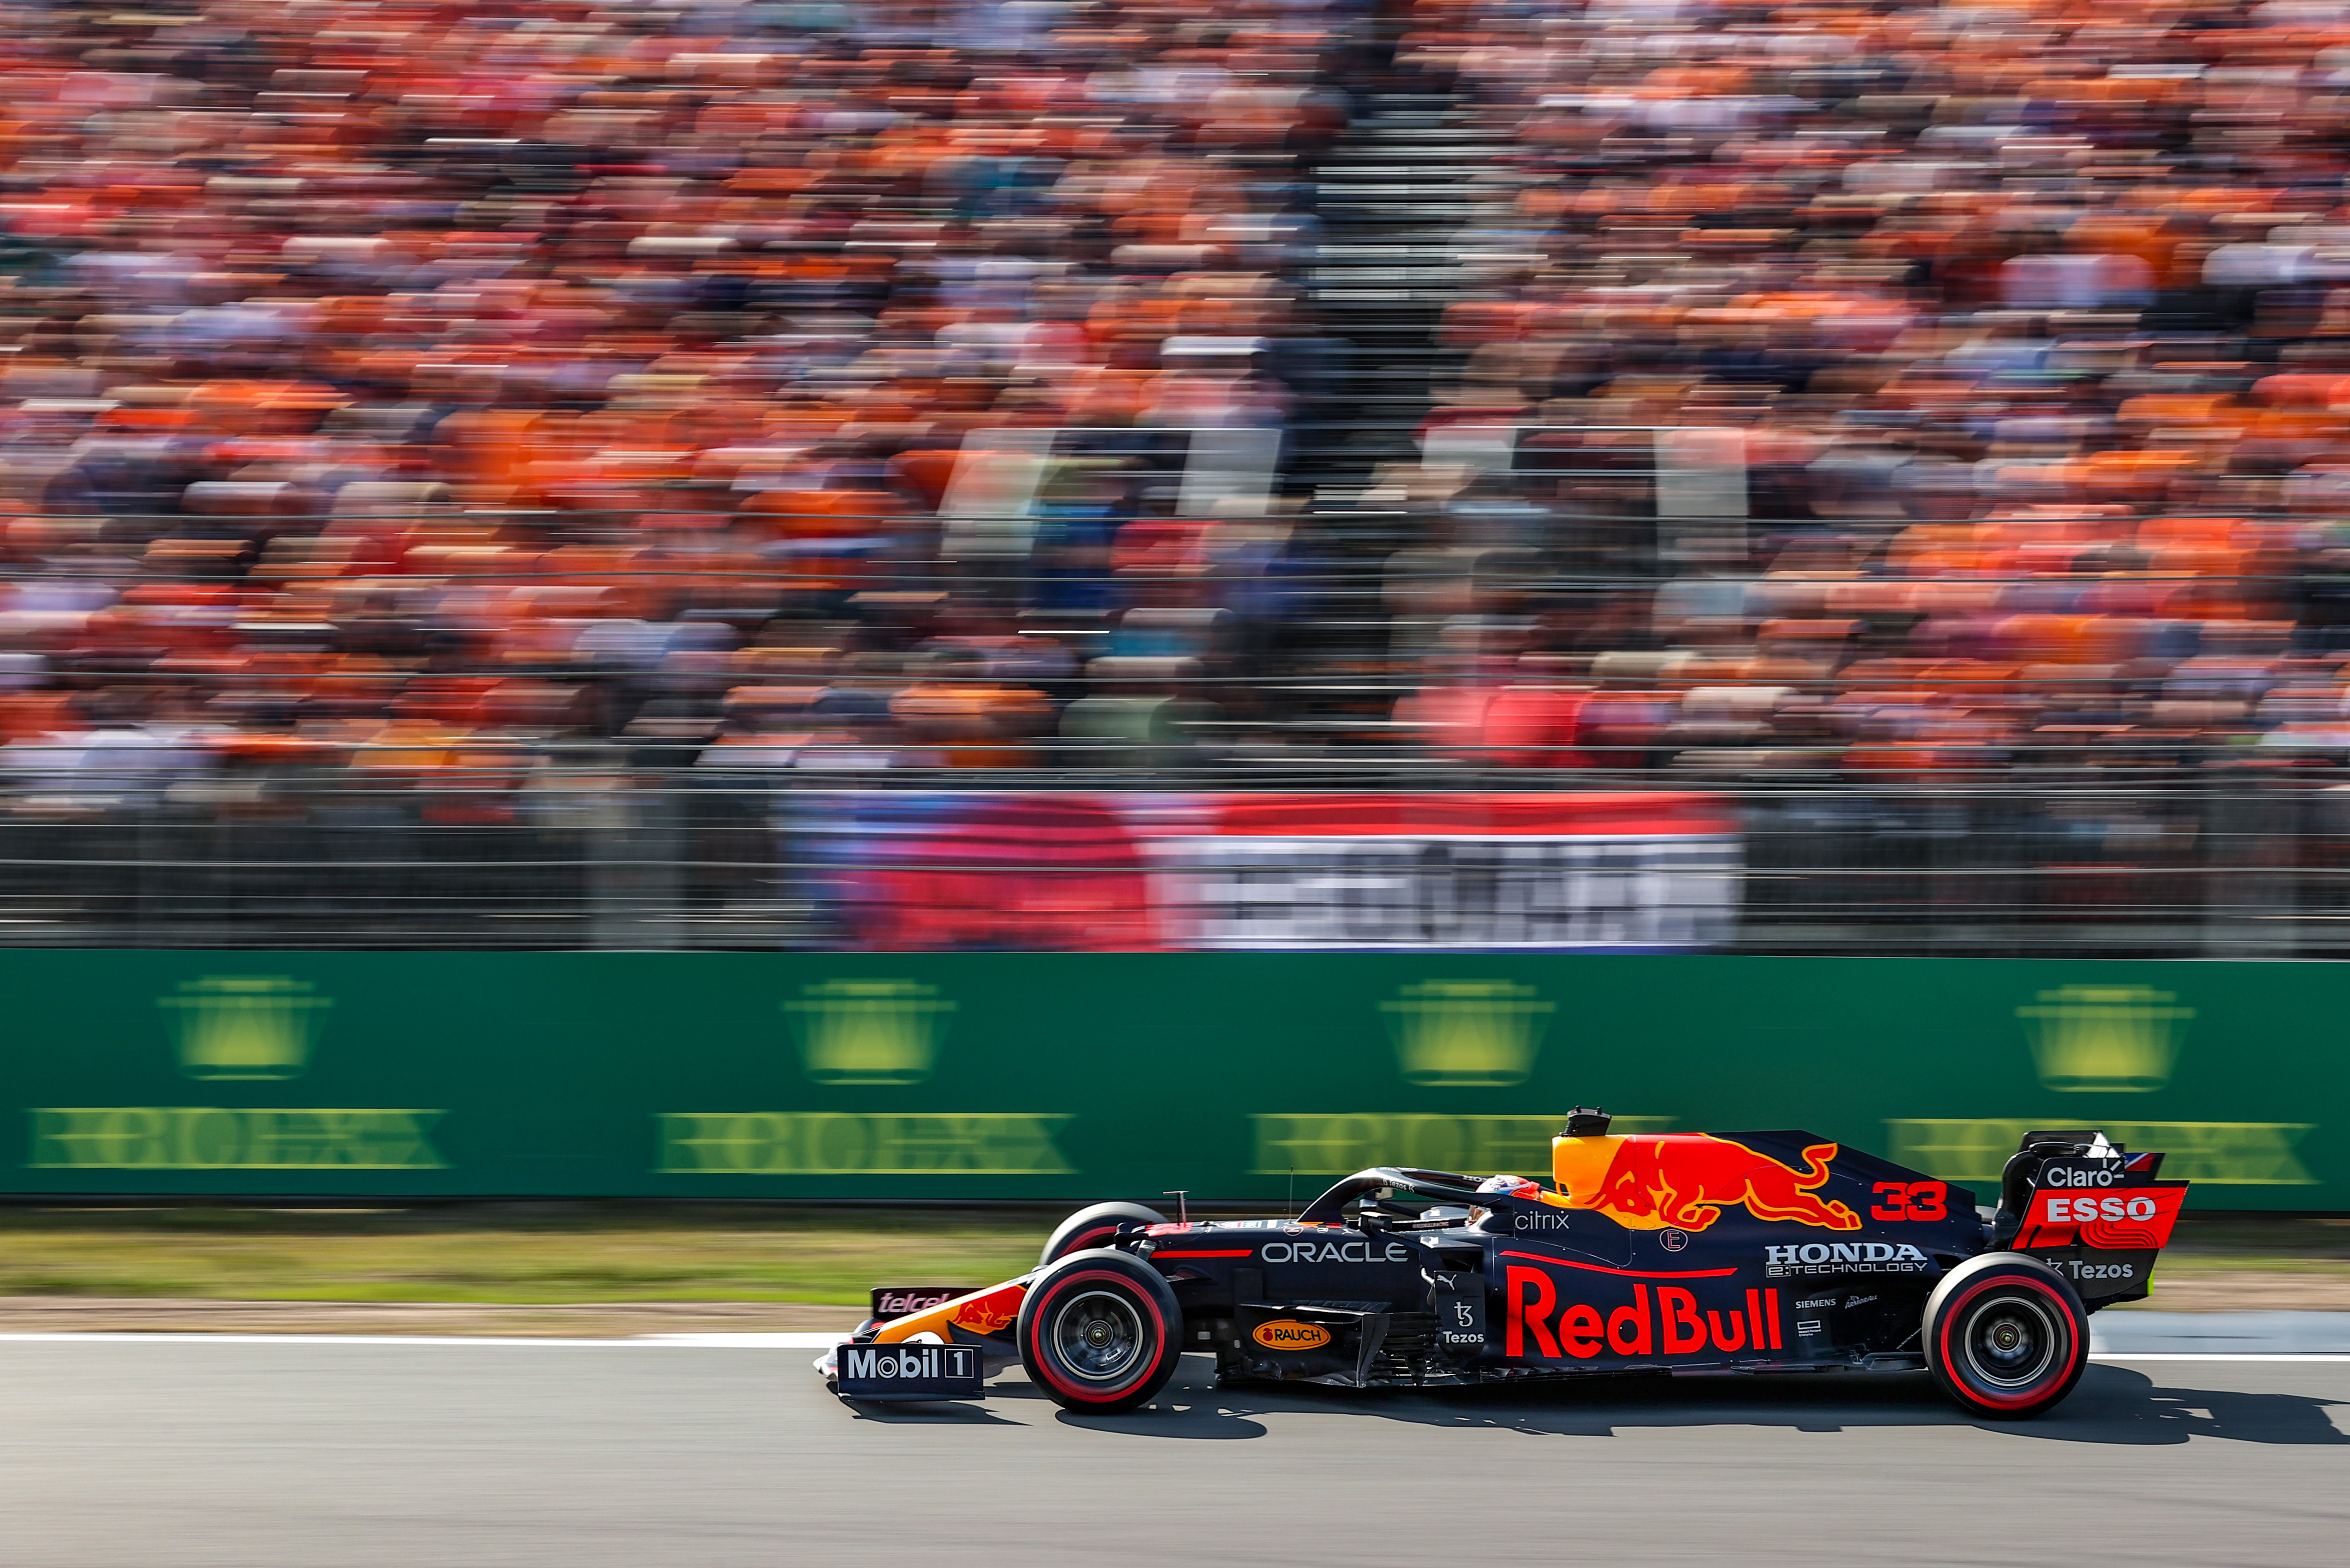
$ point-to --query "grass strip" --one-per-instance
(544, 1254)
(515, 1254)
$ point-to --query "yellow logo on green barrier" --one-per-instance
(2216, 1154)
(869, 1031)
(1467, 1034)
(2117, 1038)
(209, 1137)
(246, 1026)
(256, 1028)
(1324, 1144)
(830, 1143)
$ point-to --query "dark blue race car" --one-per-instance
(1764, 1251)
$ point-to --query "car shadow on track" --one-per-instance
(2113, 1404)
(2123, 1405)
(926, 1413)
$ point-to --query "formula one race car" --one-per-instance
(1772, 1252)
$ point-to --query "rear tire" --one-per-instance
(2006, 1336)
(1100, 1332)
(1094, 1227)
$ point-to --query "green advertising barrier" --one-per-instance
(1077, 1077)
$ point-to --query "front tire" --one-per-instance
(1100, 1332)
(1094, 1227)
(2006, 1336)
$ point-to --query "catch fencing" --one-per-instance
(549, 846)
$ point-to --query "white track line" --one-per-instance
(2216, 1356)
(825, 1341)
(655, 1341)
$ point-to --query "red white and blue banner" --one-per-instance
(930, 870)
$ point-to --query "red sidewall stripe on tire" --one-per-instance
(1958, 1309)
(1093, 1395)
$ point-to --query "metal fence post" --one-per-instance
(2249, 896)
(634, 845)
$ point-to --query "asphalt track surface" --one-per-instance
(187, 1453)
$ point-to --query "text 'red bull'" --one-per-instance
(1647, 1181)
(1666, 1321)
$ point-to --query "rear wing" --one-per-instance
(2090, 1208)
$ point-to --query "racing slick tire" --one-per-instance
(1094, 1226)
(2005, 1335)
(1100, 1332)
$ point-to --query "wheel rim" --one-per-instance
(2012, 1342)
(1097, 1336)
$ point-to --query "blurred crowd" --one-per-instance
(423, 389)
(2026, 322)
(400, 384)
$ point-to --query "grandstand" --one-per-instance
(1634, 475)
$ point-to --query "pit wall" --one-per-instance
(1078, 1076)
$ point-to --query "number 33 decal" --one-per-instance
(1909, 1200)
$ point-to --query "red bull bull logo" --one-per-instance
(991, 1314)
(1652, 1181)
